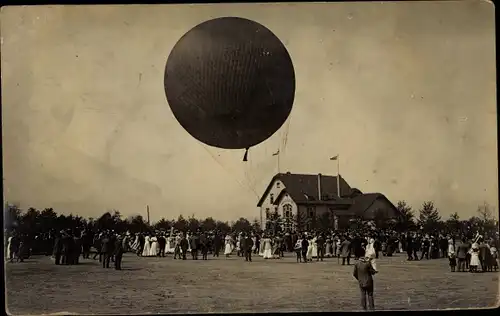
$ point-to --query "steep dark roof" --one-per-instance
(362, 202)
(304, 187)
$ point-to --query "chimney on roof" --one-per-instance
(319, 186)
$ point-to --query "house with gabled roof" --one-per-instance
(310, 196)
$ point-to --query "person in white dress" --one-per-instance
(228, 245)
(371, 254)
(188, 237)
(474, 257)
(261, 246)
(147, 246)
(9, 252)
(268, 248)
(314, 253)
(169, 245)
(309, 248)
(153, 252)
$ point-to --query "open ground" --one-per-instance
(164, 285)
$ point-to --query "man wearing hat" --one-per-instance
(162, 243)
(363, 272)
(119, 249)
(107, 250)
(203, 240)
(194, 243)
(58, 248)
(345, 250)
(183, 245)
(247, 245)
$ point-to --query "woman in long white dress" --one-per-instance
(268, 248)
(153, 252)
(188, 237)
(169, 245)
(147, 246)
(261, 246)
(9, 252)
(309, 254)
(474, 258)
(314, 253)
(228, 245)
(371, 254)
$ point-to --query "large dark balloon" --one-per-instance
(230, 83)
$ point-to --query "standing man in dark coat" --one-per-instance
(119, 249)
(409, 247)
(194, 243)
(247, 247)
(66, 251)
(162, 242)
(98, 246)
(142, 241)
(363, 272)
(77, 248)
(320, 241)
(86, 243)
(304, 245)
(107, 250)
(183, 246)
(484, 253)
(462, 251)
(58, 249)
(426, 244)
(217, 242)
(345, 251)
(204, 246)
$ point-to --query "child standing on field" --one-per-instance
(298, 250)
(452, 255)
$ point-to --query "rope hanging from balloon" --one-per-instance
(245, 157)
(229, 172)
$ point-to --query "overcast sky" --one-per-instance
(404, 92)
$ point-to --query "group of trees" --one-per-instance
(38, 221)
(428, 220)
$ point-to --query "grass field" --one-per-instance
(156, 285)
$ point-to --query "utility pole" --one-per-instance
(147, 210)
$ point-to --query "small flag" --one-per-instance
(335, 157)
(276, 153)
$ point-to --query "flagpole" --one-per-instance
(278, 161)
(338, 176)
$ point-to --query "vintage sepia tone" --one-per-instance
(379, 190)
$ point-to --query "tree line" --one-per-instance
(427, 219)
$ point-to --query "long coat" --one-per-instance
(345, 249)
(462, 250)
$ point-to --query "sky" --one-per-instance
(404, 92)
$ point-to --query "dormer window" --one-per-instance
(271, 198)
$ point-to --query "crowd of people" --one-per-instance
(465, 253)
(66, 247)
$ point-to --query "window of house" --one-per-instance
(278, 185)
(271, 198)
(287, 217)
(311, 211)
